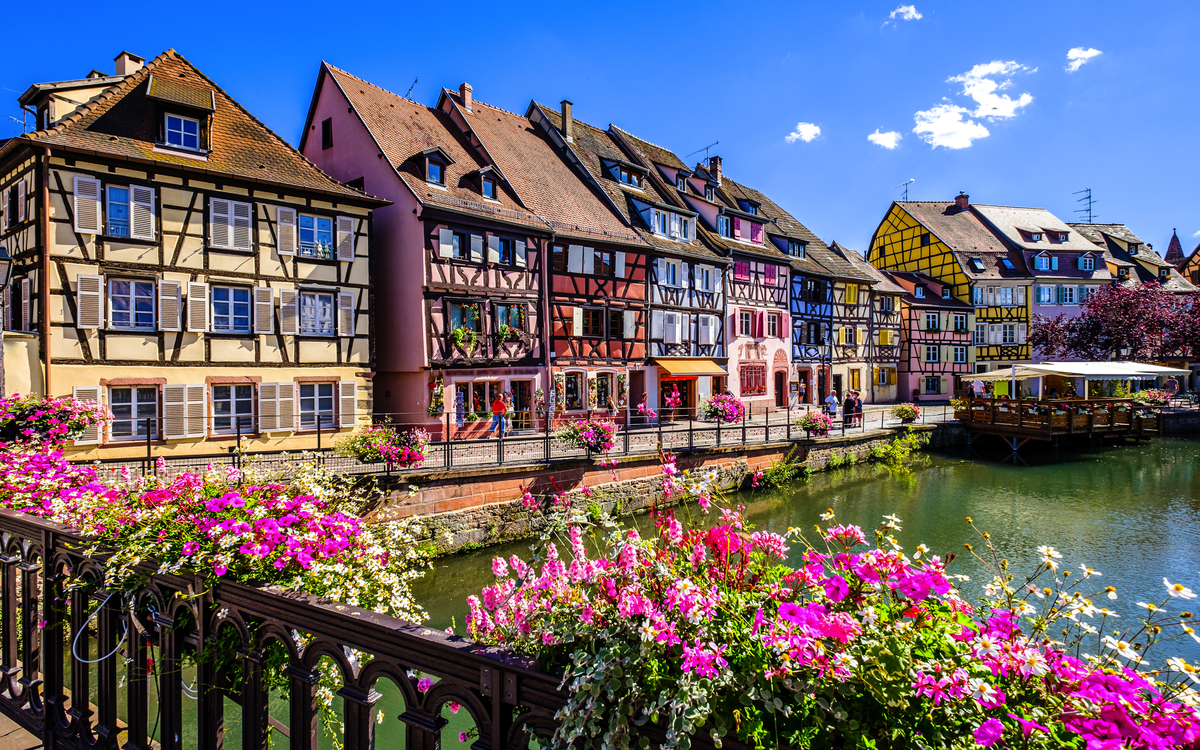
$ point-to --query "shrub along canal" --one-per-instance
(1130, 512)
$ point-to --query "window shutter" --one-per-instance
(619, 265)
(476, 248)
(842, 335)
(175, 412)
(1079, 262)
(264, 309)
(89, 301)
(87, 205)
(197, 410)
(345, 311)
(347, 403)
(671, 334)
(995, 333)
(683, 275)
(785, 322)
(660, 266)
(945, 383)
(219, 226)
(286, 411)
(445, 243)
(168, 305)
(197, 307)
(737, 227)
(1060, 294)
(21, 201)
(519, 254)
(971, 354)
(1079, 294)
(629, 324)
(8, 318)
(268, 407)
(141, 212)
(242, 215)
(8, 217)
(26, 306)
(862, 337)
(657, 325)
(990, 299)
(970, 321)
(945, 354)
(1021, 332)
(575, 258)
(1053, 262)
(91, 435)
(288, 315)
(577, 321)
(1020, 295)
(760, 321)
(589, 260)
(285, 230)
(493, 249)
(345, 239)
(702, 325)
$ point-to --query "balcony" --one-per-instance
(316, 250)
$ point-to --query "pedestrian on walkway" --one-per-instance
(499, 407)
(858, 409)
(848, 409)
(1172, 386)
(831, 404)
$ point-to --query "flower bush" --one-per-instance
(721, 407)
(597, 435)
(906, 411)
(47, 421)
(701, 628)
(815, 423)
(383, 443)
(1152, 397)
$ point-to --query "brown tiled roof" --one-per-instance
(881, 283)
(121, 122)
(544, 180)
(968, 237)
(652, 152)
(1102, 235)
(404, 129)
(934, 301)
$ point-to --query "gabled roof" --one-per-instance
(1146, 262)
(880, 282)
(1012, 221)
(969, 238)
(122, 123)
(404, 130)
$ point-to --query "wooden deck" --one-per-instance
(1049, 421)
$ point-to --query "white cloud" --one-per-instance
(1078, 56)
(1196, 233)
(888, 140)
(906, 13)
(805, 131)
(944, 125)
(980, 84)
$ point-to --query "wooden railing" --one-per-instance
(1059, 416)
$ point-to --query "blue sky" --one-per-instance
(1004, 118)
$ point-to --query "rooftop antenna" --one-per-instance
(24, 124)
(905, 186)
(705, 150)
(410, 88)
(1087, 202)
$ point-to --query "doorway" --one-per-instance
(780, 389)
(837, 386)
(637, 389)
(822, 385)
(686, 395)
(522, 396)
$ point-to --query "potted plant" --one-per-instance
(906, 413)
(597, 435)
(815, 423)
(722, 408)
(506, 333)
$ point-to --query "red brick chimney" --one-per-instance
(962, 201)
(714, 166)
(464, 93)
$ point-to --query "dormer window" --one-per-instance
(1087, 263)
(724, 226)
(919, 292)
(1133, 248)
(629, 178)
(1008, 264)
(748, 207)
(1045, 263)
(183, 132)
(1035, 237)
(489, 188)
(946, 292)
(434, 172)
(1062, 236)
(795, 248)
(1164, 273)
(681, 183)
(977, 265)
(709, 193)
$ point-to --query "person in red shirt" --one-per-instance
(499, 407)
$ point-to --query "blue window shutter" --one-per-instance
(1054, 263)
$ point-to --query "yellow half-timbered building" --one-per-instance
(952, 243)
(183, 265)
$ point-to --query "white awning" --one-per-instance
(1085, 370)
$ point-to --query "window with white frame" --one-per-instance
(1004, 296)
(945, 292)
(681, 183)
(1087, 263)
(709, 192)
(316, 405)
(1042, 263)
(724, 226)
(1010, 333)
(233, 409)
(933, 321)
(117, 214)
(883, 378)
(135, 412)
(316, 313)
(977, 296)
(705, 278)
(773, 326)
(661, 221)
(795, 248)
(960, 322)
(670, 270)
(685, 229)
(746, 323)
(316, 236)
(131, 304)
(230, 309)
(960, 354)
(1062, 236)
(919, 292)
(1035, 237)
(183, 132)
(1045, 295)
(932, 354)
(1068, 295)
(933, 384)
(981, 333)
(850, 336)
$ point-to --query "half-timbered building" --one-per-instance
(866, 340)
(951, 242)
(459, 301)
(936, 337)
(181, 264)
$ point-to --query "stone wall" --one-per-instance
(1181, 422)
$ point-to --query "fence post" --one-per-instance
(546, 437)
(237, 456)
(744, 415)
(691, 433)
(789, 420)
(718, 433)
(150, 465)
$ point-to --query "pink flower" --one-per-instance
(499, 567)
(835, 588)
(454, 706)
(219, 570)
(424, 684)
(462, 737)
(989, 732)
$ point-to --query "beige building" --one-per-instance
(179, 262)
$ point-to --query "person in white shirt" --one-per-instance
(831, 404)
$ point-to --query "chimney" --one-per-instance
(962, 201)
(128, 63)
(714, 166)
(464, 93)
(568, 122)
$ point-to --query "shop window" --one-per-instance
(573, 391)
(753, 379)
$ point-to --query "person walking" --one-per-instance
(499, 407)
(858, 409)
(831, 404)
(1172, 386)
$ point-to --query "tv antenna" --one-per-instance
(705, 150)
(410, 88)
(1087, 202)
(905, 186)
(24, 124)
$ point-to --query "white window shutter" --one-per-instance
(476, 248)
(345, 239)
(264, 309)
(629, 324)
(945, 354)
(1021, 296)
(345, 313)
(169, 293)
(141, 212)
(619, 265)
(674, 225)
(26, 304)
(242, 219)
(660, 268)
(683, 275)
(289, 318)
(220, 229)
(89, 301)
(87, 206)
(1021, 333)
(589, 260)
(445, 243)
(21, 201)
(287, 407)
(285, 230)
(671, 335)
(493, 249)
(519, 254)
(347, 403)
(197, 410)
(268, 407)
(995, 333)
(91, 435)
(175, 412)
(577, 321)
(197, 307)
(575, 258)
(705, 330)
(656, 324)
